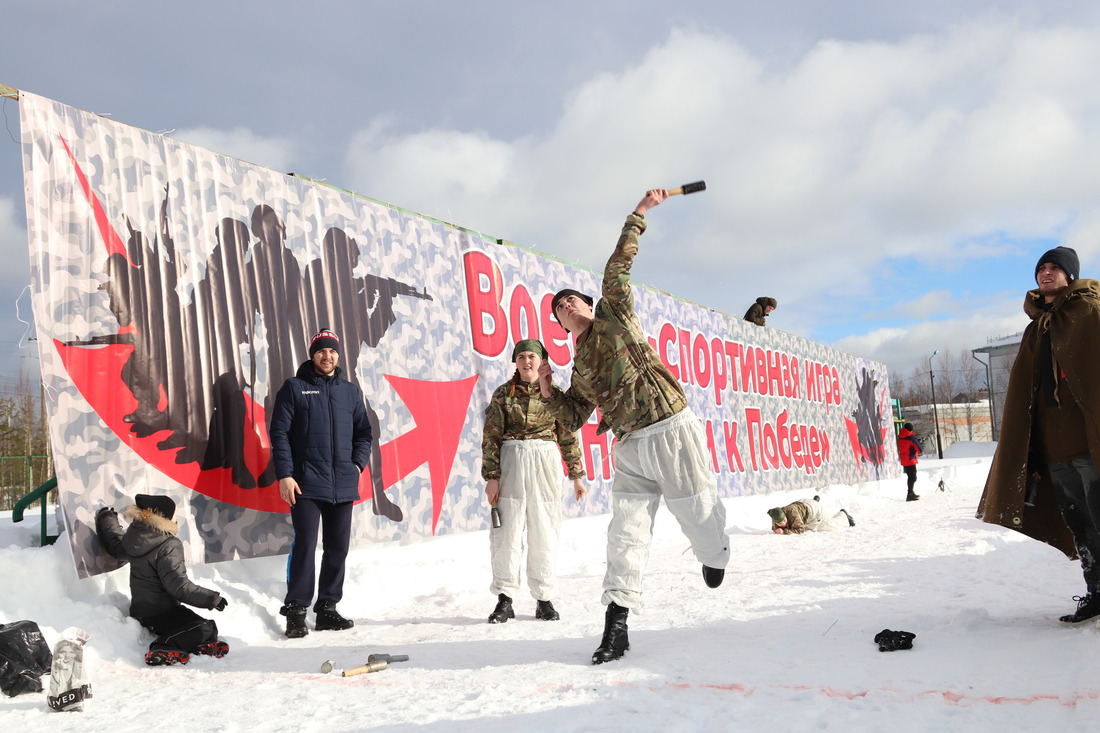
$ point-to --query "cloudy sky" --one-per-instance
(889, 174)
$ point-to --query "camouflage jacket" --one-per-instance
(516, 412)
(615, 368)
(799, 514)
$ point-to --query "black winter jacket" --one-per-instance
(158, 573)
(320, 435)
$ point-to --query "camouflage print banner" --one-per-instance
(175, 290)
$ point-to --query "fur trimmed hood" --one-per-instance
(151, 518)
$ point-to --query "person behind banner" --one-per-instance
(159, 585)
(522, 449)
(760, 310)
(661, 448)
(320, 445)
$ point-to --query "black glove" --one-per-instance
(105, 510)
(891, 641)
(221, 605)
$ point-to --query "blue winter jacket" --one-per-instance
(320, 435)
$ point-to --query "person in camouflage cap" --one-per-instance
(521, 465)
(661, 449)
(808, 516)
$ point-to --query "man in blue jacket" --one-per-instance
(320, 444)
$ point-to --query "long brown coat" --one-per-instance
(1074, 323)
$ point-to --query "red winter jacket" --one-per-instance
(908, 447)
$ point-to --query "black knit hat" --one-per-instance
(558, 296)
(161, 505)
(1065, 258)
(324, 339)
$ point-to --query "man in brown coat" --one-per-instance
(1043, 480)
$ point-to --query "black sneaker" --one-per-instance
(713, 577)
(166, 657)
(295, 620)
(615, 642)
(216, 649)
(503, 611)
(1088, 608)
(545, 611)
(329, 619)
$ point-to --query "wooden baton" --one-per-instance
(688, 188)
(367, 668)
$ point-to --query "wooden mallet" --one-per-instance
(688, 188)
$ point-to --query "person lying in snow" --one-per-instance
(808, 516)
(158, 581)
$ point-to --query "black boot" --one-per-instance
(713, 577)
(545, 611)
(295, 620)
(329, 619)
(1088, 608)
(851, 522)
(503, 611)
(912, 496)
(615, 642)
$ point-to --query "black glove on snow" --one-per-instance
(221, 605)
(891, 641)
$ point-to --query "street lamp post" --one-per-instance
(935, 412)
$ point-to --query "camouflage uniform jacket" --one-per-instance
(798, 513)
(615, 368)
(517, 413)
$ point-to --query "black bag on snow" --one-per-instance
(24, 658)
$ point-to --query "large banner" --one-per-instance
(176, 289)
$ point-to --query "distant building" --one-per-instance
(958, 422)
(1000, 356)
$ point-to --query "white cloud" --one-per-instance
(277, 153)
(819, 172)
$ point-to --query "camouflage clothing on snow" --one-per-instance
(516, 413)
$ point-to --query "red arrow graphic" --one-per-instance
(439, 410)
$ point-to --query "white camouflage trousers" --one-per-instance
(530, 496)
(670, 459)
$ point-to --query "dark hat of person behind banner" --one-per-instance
(558, 296)
(777, 515)
(533, 345)
(1065, 258)
(162, 505)
(324, 339)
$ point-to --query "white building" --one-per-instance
(958, 422)
(1000, 356)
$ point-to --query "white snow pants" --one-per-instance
(670, 459)
(825, 517)
(531, 496)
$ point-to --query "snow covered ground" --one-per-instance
(785, 644)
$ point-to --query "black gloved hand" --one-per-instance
(891, 641)
(105, 510)
(221, 605)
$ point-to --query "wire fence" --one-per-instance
(20, 475)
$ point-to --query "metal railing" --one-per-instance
(40, 495)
